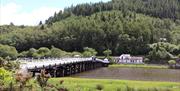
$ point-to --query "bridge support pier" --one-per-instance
(69, 69)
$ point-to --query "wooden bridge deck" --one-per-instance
(39, 63)
(62, 66)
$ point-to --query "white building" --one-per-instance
(127, 59)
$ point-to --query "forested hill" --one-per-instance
(156, 8)
(123, 26)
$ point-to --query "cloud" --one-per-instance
(12, 12)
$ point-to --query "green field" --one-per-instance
(139, 66)
(82, 84)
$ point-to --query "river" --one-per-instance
(144, 74)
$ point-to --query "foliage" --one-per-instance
(124, 26)
(43, 51)
(146, 60)
(8, 65)
(172, 62)
(6, 77)
(2, 62)
(42, 79)
(99, 87)
(76, 53)
(107, 52)
(160, 8)
(121, 32)
(8, 51)
(55, 52)
(88, 52)
(161, 52)
(11, 65)
(22, 77)
(31, 52)
(46, 52)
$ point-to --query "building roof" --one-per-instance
(125, 55)
(136, 58)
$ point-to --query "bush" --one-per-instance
(111, 60)
(5, 77)
(161, 52)
(8, 51)
(172, 62)
(146, 60)
(31, 52)
(44, 52)
(99, 87)
(179, 56)
(2, 62)
(23, 54)
(56, 52)
(88, 52)
(76, 53)
(107, 52)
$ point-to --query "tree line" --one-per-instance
(119, 30)
(114, 30)
(10, 53)
(156, 8)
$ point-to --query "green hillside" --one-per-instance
(123, 26)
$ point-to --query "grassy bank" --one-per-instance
(139, 66)
(81, 84)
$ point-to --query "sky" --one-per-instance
(31, 12)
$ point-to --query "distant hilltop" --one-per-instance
(138, 27)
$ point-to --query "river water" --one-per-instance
(144, 74)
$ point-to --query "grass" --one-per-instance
(83, 84)
(139, 66)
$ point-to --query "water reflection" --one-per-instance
(133, 74)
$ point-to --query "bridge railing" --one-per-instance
(31, 63)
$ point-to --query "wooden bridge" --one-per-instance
(60, 67)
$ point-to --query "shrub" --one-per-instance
(99, 87)
(2, 62)
(43, 78)
(61, 81)
(31, 52)
(146, 60)
(107, 52)
(8, 51)
(44, 52)
(6, 76)
(56, 52)
(89, 52)
(22, 77)
(172, 62)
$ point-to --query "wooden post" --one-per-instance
(55, 71)
(33, 73)
(63, 72)
(80, 67)
(70, 70)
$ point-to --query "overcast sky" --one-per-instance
(30, 12)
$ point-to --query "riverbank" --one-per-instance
(138, 66)
(83, 84)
